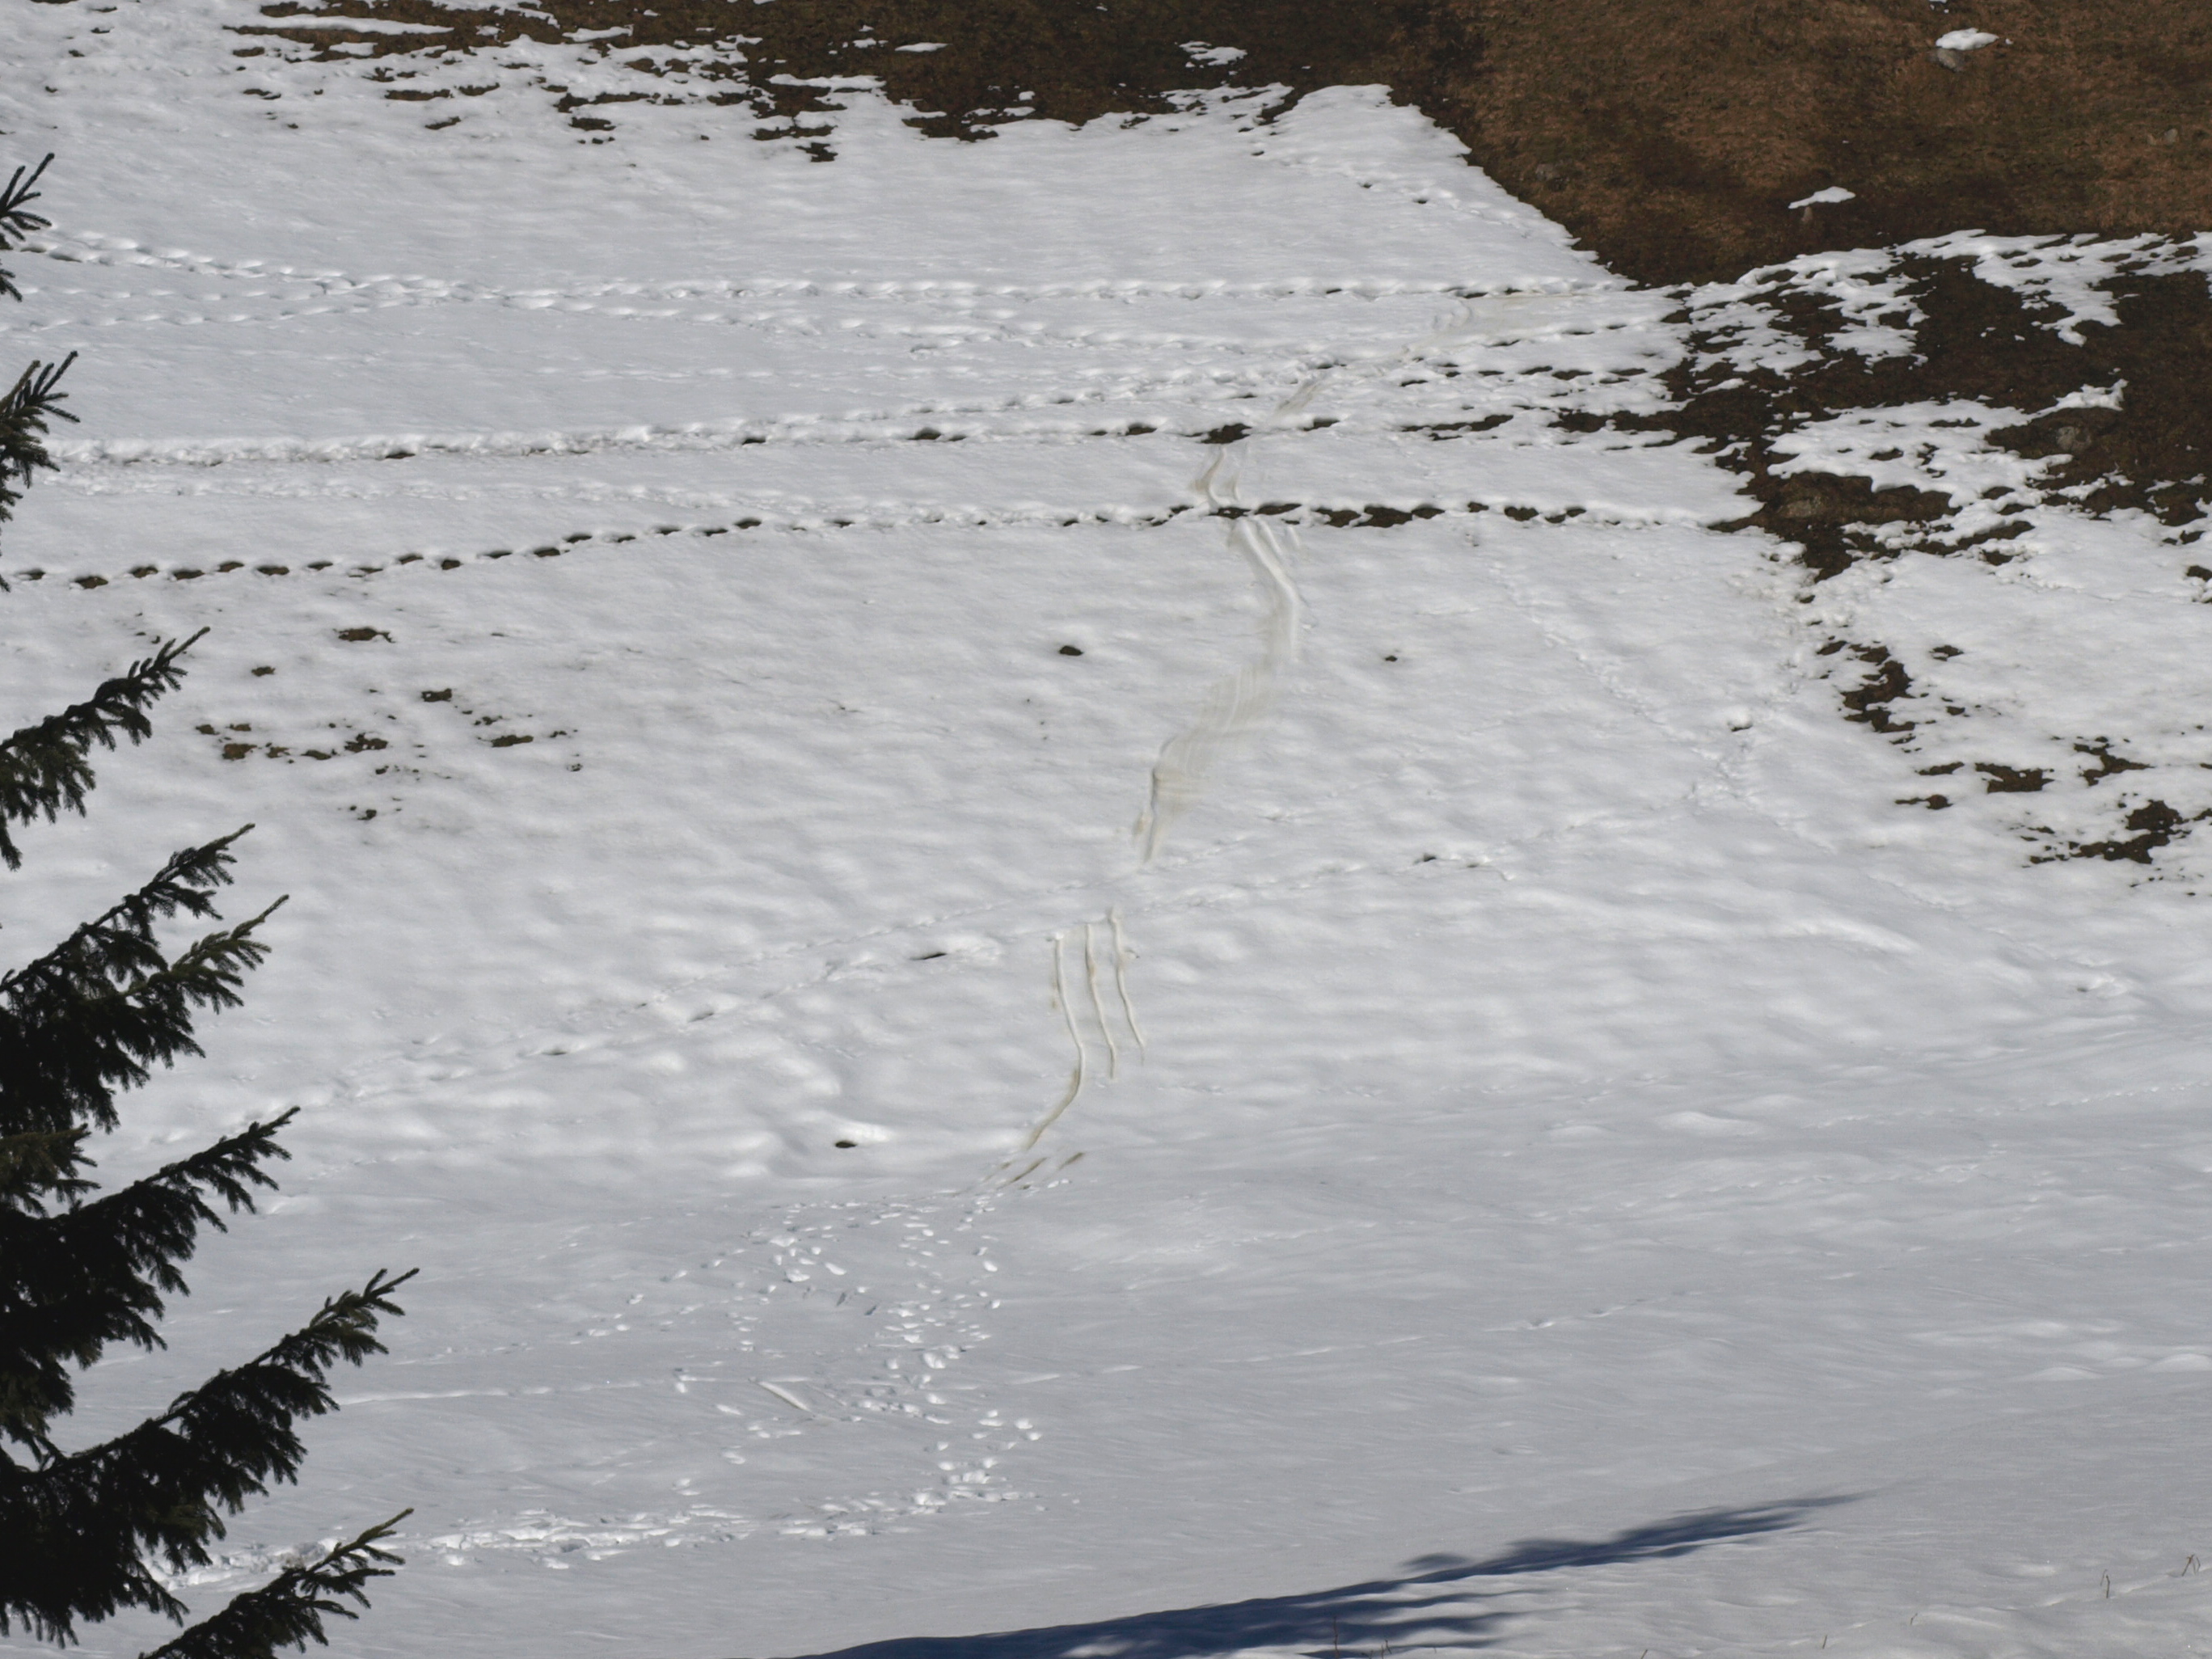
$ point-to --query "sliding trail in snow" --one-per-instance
(1236, 707)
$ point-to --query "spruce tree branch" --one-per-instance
(230, 1165)
(162, 1489)
(288, 1611)
(182, 883)
(43, 769)
(40, 1166)
(208, 956)
(72, 1283)
(343, 1328)
(26, 409)
(75, 1038)
(47, 1603)
(15, 218)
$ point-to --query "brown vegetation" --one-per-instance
(1672, 137)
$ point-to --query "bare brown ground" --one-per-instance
(1671, 134)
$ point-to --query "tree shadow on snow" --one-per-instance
(1352, 1618)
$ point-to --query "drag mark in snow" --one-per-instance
(1122, 977)
(935, 421)
(1236, 706)
(1081, 1073)
(1233, 708)
(789, 1398)
(693, 438)
(1100, 951)
(1102, 942)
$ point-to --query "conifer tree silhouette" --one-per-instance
(86, 1533)
(32, 401)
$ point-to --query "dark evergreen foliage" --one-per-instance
(288, 1610)
(32, 402)
(82, 1532)
(93, 1012)
(16, 219)
(85, 1534)
(43, 768)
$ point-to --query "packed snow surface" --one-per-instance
(1065, 924)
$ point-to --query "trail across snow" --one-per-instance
(1525, 1145)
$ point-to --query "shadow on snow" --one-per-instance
(1424, 1601)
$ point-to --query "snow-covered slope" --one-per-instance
(1059, 933)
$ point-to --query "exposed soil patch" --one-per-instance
(2012, 780)
(2148, 444)
(2156, 825)
(1671, 138)
(2108, 765)
(1885, 682)
(1876, 689)
(986, 62)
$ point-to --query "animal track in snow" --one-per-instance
(813, 518)
(909, 1279)
(94, 248)
(892, 1265)
(697, 436)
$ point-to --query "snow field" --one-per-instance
(1538, 1086)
